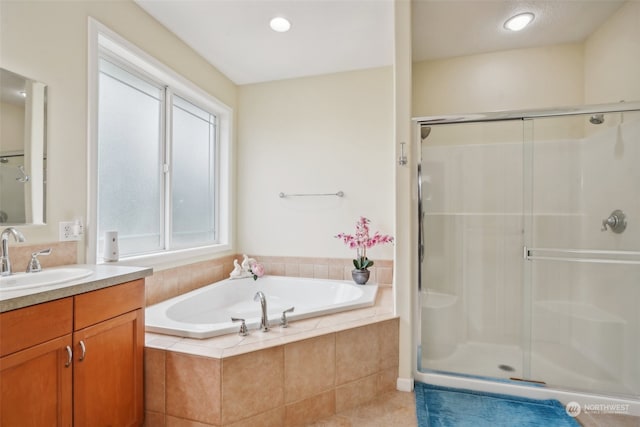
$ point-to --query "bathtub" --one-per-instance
(207, 312)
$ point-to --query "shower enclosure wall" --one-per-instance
(530, 251)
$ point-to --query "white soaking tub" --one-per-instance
(207, 312)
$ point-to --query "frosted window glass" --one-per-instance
(193, 175)
(129, 161)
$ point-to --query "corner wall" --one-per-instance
(315, 135)
(612, 58)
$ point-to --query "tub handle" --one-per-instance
(243, 327)
(284, 322)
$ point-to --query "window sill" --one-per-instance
(172, 258)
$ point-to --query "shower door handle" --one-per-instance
(420, 228)
(594, 256)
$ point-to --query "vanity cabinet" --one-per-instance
(75, 361)
(35, 365)
(108, 340)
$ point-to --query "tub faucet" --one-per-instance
(5, 267)
(264, 321)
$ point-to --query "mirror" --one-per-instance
(23, 120)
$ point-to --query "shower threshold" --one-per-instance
(488, 361)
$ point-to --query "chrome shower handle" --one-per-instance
(616, 222)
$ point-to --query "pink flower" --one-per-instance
(361, 241)
(257, 270)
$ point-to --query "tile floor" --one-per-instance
(393, 409)
(397, 409)
(608, 420)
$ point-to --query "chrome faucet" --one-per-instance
(5, 267)
(264, 322)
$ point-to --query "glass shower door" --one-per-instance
(471, 297)
(583, 251)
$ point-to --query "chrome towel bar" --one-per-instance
(338, 194)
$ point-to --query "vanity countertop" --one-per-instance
(103, 276)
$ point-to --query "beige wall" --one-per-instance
(303, 134)
(315, 135)
(612, 58)
(508, 80)
(47, 41)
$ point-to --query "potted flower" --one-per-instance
(362, 241)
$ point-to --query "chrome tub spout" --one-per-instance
(264, 321)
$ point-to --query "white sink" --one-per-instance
(46, 277)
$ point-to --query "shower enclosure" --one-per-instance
(530, 249)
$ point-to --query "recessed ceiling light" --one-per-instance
(280, 24)
(23, 93)
(518, 22)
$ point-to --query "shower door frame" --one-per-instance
(470, 382)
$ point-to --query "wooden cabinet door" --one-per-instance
(108, 377)
(35, 385)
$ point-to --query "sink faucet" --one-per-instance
(264, 322)
(5, 268)
(34, 265)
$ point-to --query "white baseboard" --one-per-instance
(404, 384)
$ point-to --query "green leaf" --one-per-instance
(362, 263)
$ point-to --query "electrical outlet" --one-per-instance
(66, 232)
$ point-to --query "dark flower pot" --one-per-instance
(360, 276)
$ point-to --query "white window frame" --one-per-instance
(102, 38)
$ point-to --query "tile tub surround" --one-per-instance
(168, 283)
(165, 284)
(392, 409)
(285, 377)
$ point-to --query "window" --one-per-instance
(193, 198)
(160, 157)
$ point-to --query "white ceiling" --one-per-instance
(329, 36)
(446, 28)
